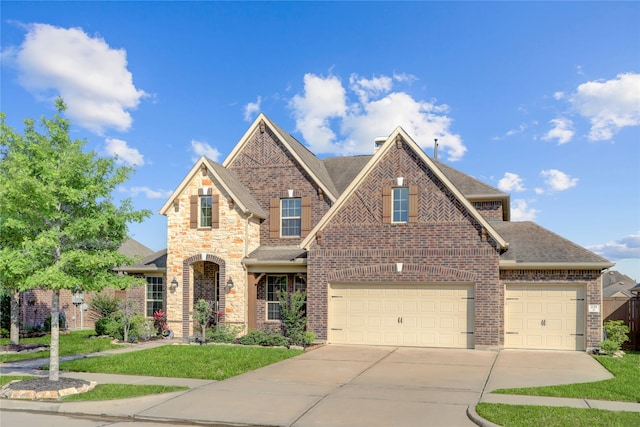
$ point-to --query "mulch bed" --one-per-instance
(22, 348)
(44, 389)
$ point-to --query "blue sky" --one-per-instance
(539, 99)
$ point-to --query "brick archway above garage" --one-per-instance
(400, 272)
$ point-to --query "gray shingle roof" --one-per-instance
(277, 253)
(468, 185)
(238, 190)
(531, 243)
(155, 262)
(134, 249)
(343, 170)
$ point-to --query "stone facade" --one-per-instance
(224, 247)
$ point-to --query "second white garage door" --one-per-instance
(550, 317)
(402, 315)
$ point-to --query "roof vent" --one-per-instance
(379, 141)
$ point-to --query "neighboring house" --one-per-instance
(393, 248)
(617, 285)
(36, 304)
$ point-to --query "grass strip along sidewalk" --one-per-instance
(625, 386)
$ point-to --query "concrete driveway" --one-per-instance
(373, 386)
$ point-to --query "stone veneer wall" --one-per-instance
(592, 279)
(226, 246)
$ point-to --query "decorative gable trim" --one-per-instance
(406, 139)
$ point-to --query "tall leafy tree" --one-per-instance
(59, 226)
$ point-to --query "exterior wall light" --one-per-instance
(229, 285)
(174, 284)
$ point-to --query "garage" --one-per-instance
(550, 317)
(402, 314)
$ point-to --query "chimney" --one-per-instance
(435, 148)
(379, 141)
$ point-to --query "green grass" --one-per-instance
(75, 342)
(528, 416)
(625, 386)
(6, 379)
(209, 362)
(121, 391)
(106, 391)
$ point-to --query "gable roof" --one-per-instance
(309, 162)
(154, 262)
(228, 181)
(614, 282)
(375, 159)
(133, 249)
(534, 247)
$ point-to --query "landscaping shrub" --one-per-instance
(62, 322)
(616, 334)
(223, 333)
(292, 315)
(101, 326)
(265, 337)
(309, 337)
(103, 305)
(114, 327)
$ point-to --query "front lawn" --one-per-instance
(533, 416)
(210, 362)
(625, 386)
(76, 342)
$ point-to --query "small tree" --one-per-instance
(59, 228)
(292, 315)
(203, 314)
(126, 313)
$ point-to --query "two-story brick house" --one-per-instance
(393, 248)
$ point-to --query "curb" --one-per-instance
(473, 416)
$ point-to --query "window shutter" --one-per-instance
(193, 212)
(386, 204)
(413, 203)
(274, 218)
(305, 226)
(215, 211)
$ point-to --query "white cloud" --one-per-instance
(85, 71)
(609, 105)
(511, 182)
(557, 180)
(562, 131)
(376, 112)
(125, 154)
(147, 192)
(521, 211)
(251, 108)
(558, 95)
(200, 149)
(627, 247)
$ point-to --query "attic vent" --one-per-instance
(379, 142)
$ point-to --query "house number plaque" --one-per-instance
(594, 308)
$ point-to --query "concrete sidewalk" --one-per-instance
(348, 386)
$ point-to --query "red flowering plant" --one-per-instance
(160, 322)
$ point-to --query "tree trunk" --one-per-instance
(15, 318)
(54, 360)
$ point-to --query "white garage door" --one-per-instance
(402, 315)
(548, 317)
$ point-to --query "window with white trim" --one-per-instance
(291, 217)
(275, 284)
(205, 211)
(400, 204)
(155, 294)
